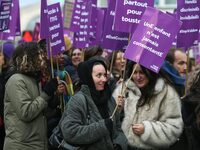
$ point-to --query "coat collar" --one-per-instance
(158, 87)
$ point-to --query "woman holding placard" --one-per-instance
(152, 110)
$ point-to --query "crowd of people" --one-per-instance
(130, 107)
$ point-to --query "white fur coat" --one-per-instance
(161, 118)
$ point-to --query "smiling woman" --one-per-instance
(101, 132)
(152, 110)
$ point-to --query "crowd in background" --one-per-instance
(154, 111)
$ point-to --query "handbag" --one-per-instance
(56, 139)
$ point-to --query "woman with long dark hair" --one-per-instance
(191, 111)
(152, 110)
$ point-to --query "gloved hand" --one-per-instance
(109, 125)
(117, 147)
(51, 86)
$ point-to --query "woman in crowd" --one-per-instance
(24, 102)
(5, 56)
(152, 110)
(191, 111)
(72, 59)
(118, 65)
(99, 131)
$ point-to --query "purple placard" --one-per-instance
(36, 31)
(81, 39)
(44, 20)
(69, 35)
(99, 28)
(196, 53)
(76, 15)
(188, 12)
(93, 25)
(112, 39)
(128, 14)
(56, 35)
(5, 11)
(152, 39)
(14, 25)
(18, 28)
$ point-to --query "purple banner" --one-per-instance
(44, 20)
(152, 39)
(56, 35)
(14, 25)
(5, 11)
(188, 12)
(128, 14)
(112, 39)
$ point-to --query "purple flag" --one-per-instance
(14, 25)
(112, 39)
(44, 20)
(188, 12)
(152, 39)
(5, 10)
(128, 14)
(55, 22)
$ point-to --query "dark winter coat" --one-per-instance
(95, 136)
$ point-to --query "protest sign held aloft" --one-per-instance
(56, 35)
(188, 11)
(152, 39)
(128, 14)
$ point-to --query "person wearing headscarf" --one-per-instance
(100, 132)
(25, 102)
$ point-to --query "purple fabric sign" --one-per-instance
(76, 15)
(128, 14)
(5, 10)
(56, 35)
(152, 39)
(188, 12)
(44, 20)
(14, 25)
(112, 39)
